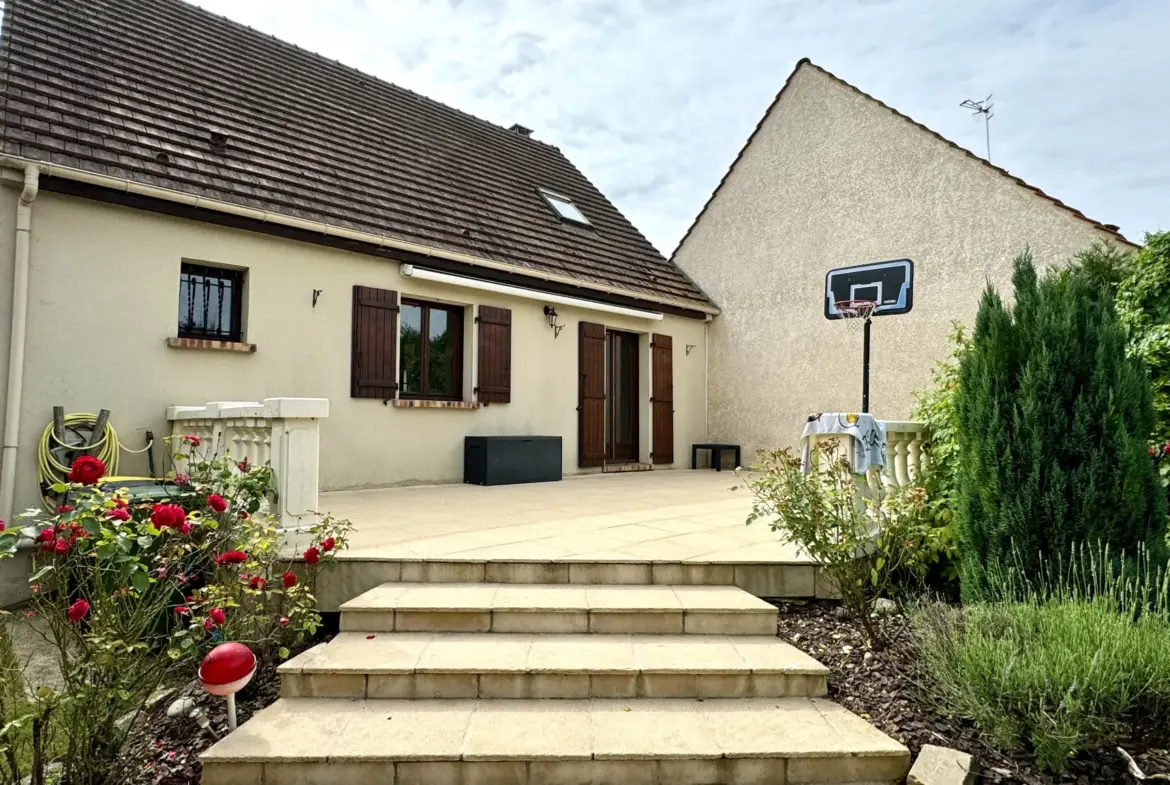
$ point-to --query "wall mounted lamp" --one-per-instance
(316, 294)
(551, 314)
(689, 347)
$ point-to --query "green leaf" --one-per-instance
(44, 692)
(59, 487)
(108, 550)
(282, 652)
(145, 541)
(253, 506)
(140, 580)
(92, 525)
(881, 562)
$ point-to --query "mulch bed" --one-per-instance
(882, 686)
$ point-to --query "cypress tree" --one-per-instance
(1053, 421)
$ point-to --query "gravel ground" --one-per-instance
(882, 687)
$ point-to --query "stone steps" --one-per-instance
(559, 683)
(323, 741)
(558, 609)
(540, 666)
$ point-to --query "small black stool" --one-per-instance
(716, 451)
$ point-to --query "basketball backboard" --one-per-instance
(889, 284)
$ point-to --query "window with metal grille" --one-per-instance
(210, 302)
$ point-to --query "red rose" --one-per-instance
(243, 515)
(216, 502)
(327, 544)
(181, 479)
(182, 610)
(258, 583)
(231, 557)
(164, 515)
(1, 526)
(119, 514)
(312, 556)
(87, 470)
(64, 508)
(1166, 448)
(283, 621)
(217, 615)
(208, 624)
(289, 579)
(47, 535)
(62, 547)
(78, 611)
(120, 503)
(1153, 452)
(192, 439)
(184, 528)
(244, 466)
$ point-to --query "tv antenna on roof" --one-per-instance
(984, 108)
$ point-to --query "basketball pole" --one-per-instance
(865, 368)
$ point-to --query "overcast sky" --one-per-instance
(652, 99)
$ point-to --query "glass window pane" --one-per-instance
(410, 348)
(440, 359)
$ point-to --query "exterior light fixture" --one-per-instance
(551, 314)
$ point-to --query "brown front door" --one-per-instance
(621, 422)
(591, 411)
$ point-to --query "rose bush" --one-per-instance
(133, 593)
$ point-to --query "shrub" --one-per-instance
(862, 545)
(1079, 663)
(1053, 421)
(134, 593)
(1143, 305)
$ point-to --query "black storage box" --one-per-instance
(508, 460)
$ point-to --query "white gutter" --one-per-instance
(16, 343)
(410, 271)
(378, 241)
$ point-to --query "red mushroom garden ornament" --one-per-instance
(226, 670)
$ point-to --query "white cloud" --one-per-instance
(652, 99)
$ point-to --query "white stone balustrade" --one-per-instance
(906, 456)
(283, 432)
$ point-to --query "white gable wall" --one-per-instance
(831, 179)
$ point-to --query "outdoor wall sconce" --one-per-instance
(316, 294)
(551, 314)
(689, 347)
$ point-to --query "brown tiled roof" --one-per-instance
(805, 62)
(137, 89)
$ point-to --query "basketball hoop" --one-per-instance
(856, 312)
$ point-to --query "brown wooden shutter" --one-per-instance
(494, 383)
(375, 343)
(591, 397)
(662, 400)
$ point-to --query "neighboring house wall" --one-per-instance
(832, 178)
(104, 299)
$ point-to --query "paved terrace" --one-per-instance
(646, 527)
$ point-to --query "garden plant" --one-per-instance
(132, 594)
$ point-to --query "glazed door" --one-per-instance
(621, 422)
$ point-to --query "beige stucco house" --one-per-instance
(204, 213)
(832, 177)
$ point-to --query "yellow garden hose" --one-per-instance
(106, 449)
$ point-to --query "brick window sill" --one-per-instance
(210, 345)
(416, 403)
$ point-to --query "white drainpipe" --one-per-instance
(17, 340)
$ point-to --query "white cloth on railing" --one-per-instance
(869, 438)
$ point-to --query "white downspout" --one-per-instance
(32, 176)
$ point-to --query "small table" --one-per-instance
(716, 451)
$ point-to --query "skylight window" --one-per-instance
(565, 208)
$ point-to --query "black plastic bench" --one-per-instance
(716, 451)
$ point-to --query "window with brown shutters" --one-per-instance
(662, 399)
(591, 395)
(375, 343)
(494, 381)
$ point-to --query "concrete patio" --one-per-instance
(646, 527)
